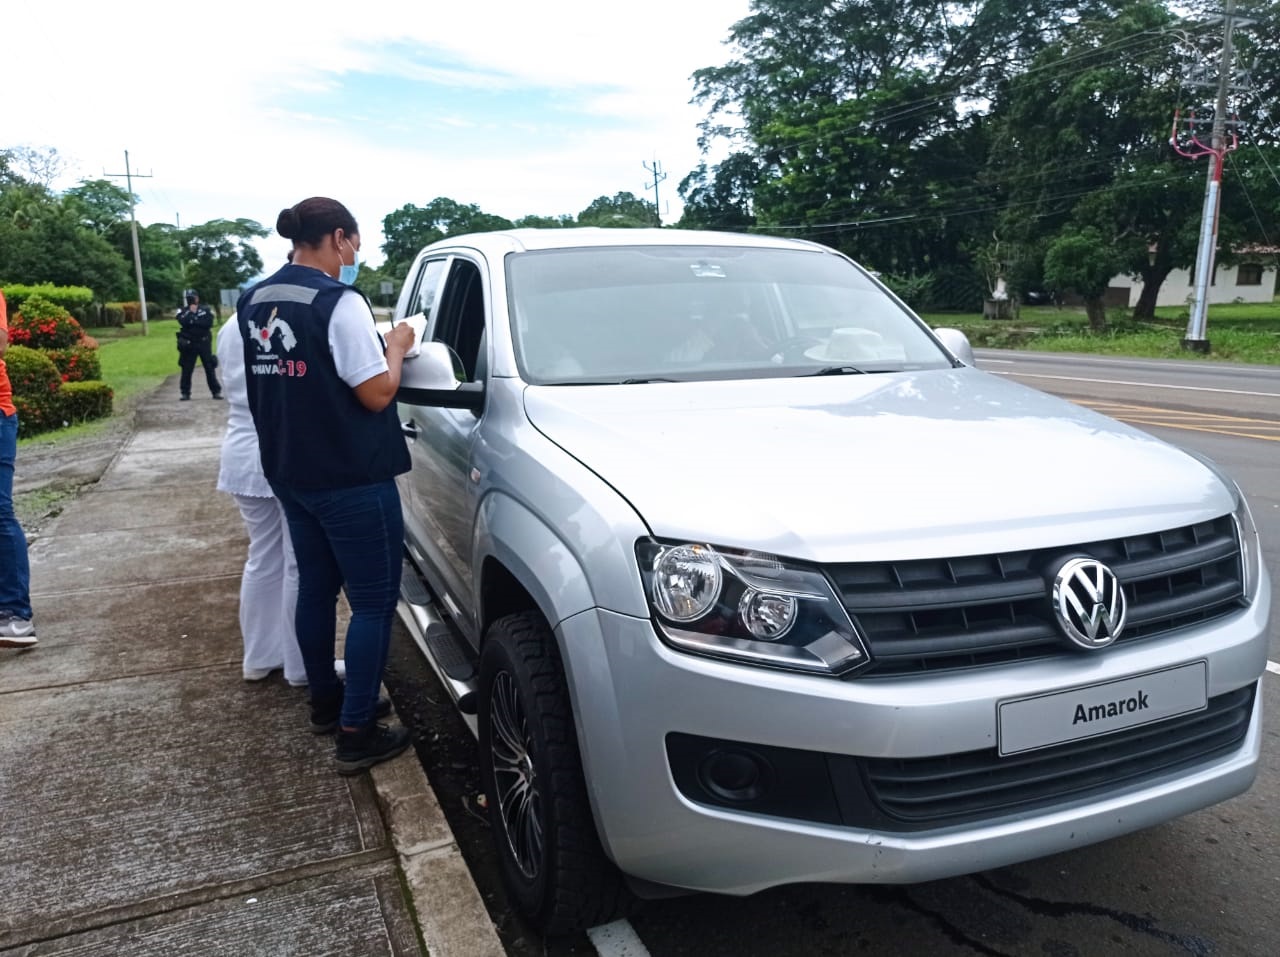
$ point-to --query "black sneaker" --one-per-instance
(218, 396)
(184, 398)
(357, 750)
(326, 712)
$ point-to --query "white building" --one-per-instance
(1253, 279)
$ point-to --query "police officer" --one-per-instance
(195, 341)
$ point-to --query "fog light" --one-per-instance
(735, 775)
(768, 617)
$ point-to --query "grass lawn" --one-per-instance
(132, 364)
(1237, 332)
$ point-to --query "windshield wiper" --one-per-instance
(838, 370)
(608, 381)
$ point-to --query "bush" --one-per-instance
(31, 372)
(37, 414)
(44, 325)
(70, 298)
(77, 364)
(82, 401)
(132, 310)
(915, 291)
(113, 315)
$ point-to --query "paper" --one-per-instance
(419, 323)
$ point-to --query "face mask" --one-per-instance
(347, 274)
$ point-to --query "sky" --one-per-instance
(236, 109)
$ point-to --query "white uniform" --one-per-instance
(269, 583)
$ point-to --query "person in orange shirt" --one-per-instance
(16, 629)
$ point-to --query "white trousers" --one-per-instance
(269, 591)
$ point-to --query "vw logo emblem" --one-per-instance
(1089, 602)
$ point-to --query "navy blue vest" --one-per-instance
(313, 433)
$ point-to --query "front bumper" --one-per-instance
(630, 692)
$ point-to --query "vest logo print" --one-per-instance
(265, 336)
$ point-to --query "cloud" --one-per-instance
(518, 107)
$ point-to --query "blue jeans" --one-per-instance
(15, 573)
(352, 537)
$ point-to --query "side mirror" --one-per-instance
(957, 343)
(434, 376)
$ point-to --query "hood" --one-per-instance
(874, 467)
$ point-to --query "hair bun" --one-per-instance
(288, 224)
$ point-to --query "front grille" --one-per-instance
(929, 792)
(946, 614)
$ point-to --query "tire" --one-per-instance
(552, 863)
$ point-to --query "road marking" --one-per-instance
(1218, 424)
(1158, 410)
(618, 939)
(1273, 668)
(1141, 385)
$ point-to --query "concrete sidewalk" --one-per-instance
(156, 803)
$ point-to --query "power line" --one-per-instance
(1256, 218)
(898, 112)
(934, 214)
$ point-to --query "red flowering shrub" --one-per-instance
(44, 325)
(77, 364)
(31, 372)
(37, 414)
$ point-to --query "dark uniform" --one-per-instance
(195, 341)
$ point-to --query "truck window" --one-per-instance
(460, 314)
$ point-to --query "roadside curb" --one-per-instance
(450, 911)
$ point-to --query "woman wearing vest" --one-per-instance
(321, 387)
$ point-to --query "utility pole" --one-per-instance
(1217, 150)
(133, 223)
(658, 177)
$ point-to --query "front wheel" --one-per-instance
(552, 863)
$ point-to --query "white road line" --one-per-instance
(1273, 668)
(1143, 385)
(1126, 362)
(618, 939)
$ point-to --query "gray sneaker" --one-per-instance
(16, 632)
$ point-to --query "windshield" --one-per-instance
(682, 313)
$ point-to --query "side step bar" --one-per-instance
(444, 649)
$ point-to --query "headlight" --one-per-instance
(1250, 547)
(1246, 530)
(748, 607)
(687, 582)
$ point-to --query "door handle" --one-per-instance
(409, 429)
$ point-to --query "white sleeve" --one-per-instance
(353, 341)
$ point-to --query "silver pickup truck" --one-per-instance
(745, 576)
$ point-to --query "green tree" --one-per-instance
(1082, 141)
(721, 198)
(160, 250)
(370, 279)
(621, 210)
(100, 204)
(868, 119)
(563, 221)
(42, 240)
(220, 255)
(1084, 261)
(407, 230)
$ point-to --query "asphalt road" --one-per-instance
(1206, 884)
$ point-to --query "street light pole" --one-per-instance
(1198, 320)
